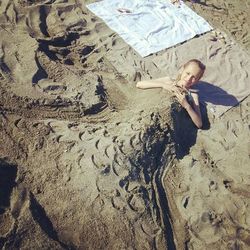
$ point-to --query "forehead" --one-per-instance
(193, 68)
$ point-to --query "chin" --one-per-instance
(187, 86)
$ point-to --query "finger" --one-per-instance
(180, 95)
(180, 90)
(179, 99)
(177, 91)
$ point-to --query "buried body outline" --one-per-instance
(189, 74)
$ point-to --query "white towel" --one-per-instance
(150, 26)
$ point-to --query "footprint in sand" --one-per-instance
(185, 201)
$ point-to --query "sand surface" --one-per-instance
(87, 161)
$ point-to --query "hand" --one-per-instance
(177, 89)
(182, 99)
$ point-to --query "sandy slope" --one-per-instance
(90, 162)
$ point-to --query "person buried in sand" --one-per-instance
(190, 73)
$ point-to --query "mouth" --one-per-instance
(186, 82)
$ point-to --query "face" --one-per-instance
(190, 75)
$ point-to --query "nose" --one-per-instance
(189, 78)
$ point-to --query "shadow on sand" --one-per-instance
(185, 132)
(8, 174)
(210, 93)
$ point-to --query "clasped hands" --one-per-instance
(180, 94)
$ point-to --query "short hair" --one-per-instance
(197, 62)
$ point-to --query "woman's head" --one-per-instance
(191, 73)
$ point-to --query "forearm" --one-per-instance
(163, 82)
(149, 84)
(195, 115)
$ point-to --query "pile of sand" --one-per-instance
(87, 161)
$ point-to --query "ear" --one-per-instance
(201, 75)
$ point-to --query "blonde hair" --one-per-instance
(197, 62)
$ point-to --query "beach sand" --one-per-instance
(87, 161)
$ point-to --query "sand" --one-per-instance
(87, 161)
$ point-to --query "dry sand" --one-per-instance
(87, 161)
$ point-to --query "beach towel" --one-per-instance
(226, 81)
(150, 26)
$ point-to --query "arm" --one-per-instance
(194, 110)
(164, 83)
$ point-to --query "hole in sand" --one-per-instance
(7, 182)
(227, 183)
(185, 203)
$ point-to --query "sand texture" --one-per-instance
(87, 161)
